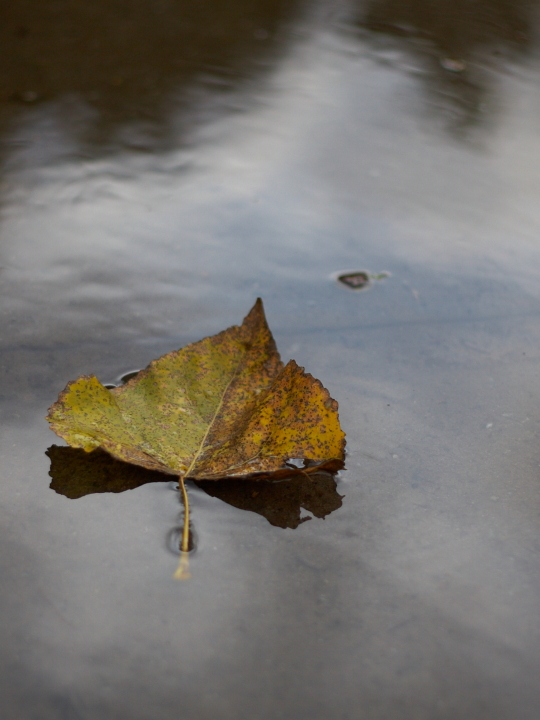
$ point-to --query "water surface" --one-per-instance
(162, 168)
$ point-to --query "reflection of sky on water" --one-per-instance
(132, 75)
(135, 78)
(457, 49)
(332, 158)
(424, 584)
(123, 60)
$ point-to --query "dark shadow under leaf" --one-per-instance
(280, 502)
(76, 473)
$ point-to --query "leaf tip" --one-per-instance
(256, 312)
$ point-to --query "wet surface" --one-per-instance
(161, 168)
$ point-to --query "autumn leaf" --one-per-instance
(223, 407)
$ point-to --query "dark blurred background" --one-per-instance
(459, 44)
(126, 61)
(124, 58)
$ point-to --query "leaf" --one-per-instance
(224, 407)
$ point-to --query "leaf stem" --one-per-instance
(182, 571)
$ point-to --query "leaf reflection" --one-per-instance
(76, 473)
(280, 502)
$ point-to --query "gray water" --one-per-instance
(157, 176)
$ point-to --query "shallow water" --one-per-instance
(147, 199)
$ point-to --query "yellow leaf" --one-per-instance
(222, 407)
